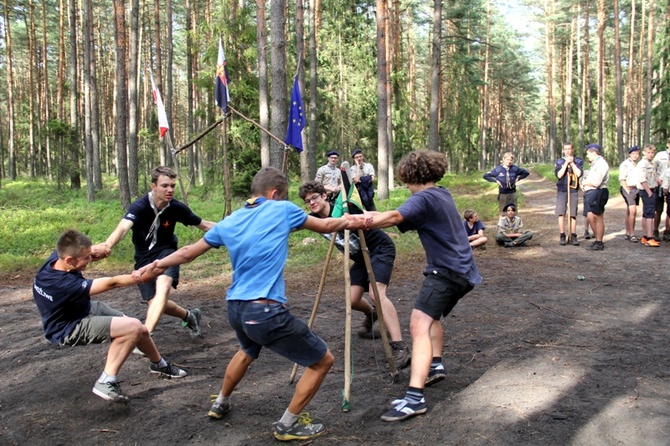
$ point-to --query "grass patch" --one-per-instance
(35, 212)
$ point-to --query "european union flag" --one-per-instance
(296, 119)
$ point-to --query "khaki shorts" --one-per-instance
(94, 328)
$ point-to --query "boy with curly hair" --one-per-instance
(449, 275)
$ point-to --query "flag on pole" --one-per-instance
(296, 119)
(163, 125)
(221, 93)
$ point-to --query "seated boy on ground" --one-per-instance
(510, 233)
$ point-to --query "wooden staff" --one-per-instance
(322, 283)
(173, 154)
(346, 393)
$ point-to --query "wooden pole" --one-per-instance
(347, 325)
(322, 283)
(226, 171)
(173, 154)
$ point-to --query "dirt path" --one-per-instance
(534, 357)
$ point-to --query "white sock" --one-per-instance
(288, 419)
(105, 378)
(162, 363)
(222, 400)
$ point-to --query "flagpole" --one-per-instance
(168, 142)
(226, 170)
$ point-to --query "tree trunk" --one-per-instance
(75, 179)
(11, 161)
(618, 87)
(278, 107)
(601, 70)
(485, 93)
(569, 67)
(88, 124)
(435, 66)
(46, 92)
(263, 84)
(551, 100)
(314, 8)
(133, 98)
(647, 96)
(382, 142)
(628, 103)
(159, 72)
(121, 101)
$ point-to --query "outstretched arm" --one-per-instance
(121, 230)
(375, 220)
(206, 225)
(325, 225)
(185, 254)
(108, 283)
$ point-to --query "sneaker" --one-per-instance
(587, 235)
(666, 236)
(653, 243)
(435, 375)
(137, 351)
(169, 371)
(401, 354)
(110, 391)
(218, 410)
(303, 429)
(596, 246)
(404, 409)
(367, 331)
(192, 322)
(573, 240)
(509, 244)
(644, 241)
(561, 240)
(656, 236)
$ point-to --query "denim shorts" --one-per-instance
(271, 325)
(148, 289)
(440, 293)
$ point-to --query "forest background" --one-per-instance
(470, 78)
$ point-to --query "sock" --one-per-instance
(162, 363)
(222, 400)
(436, 363)
(414, 395)
(188, 316)
(105, 378)
(288, 418)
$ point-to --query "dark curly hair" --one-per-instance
(422, 167)
(311, 187)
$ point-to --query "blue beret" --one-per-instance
(332, 152)
(594, 147)
(634, 149)
(356, 151)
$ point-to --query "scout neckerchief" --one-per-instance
(509, 186)
(153, 231)
(253, 202)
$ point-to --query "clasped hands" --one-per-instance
(359, 221)
(148, 272)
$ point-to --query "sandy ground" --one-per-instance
(534, 356)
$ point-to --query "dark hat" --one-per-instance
(356, 151)
(332, 152)
(594, 147)
(509, 205)
(634, 149)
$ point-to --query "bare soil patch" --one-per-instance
(534, 357)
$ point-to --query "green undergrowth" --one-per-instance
(33, 213)
(547, 171)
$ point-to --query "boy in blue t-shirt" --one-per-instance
(69, 317)
(450, 273)
(256, 237)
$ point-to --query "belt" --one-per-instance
(265, 301)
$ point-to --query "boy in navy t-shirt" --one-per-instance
(69, 317)
(474, 228)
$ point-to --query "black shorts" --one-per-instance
(382, 266)
(661, 200)
(596, 199)
(440, 293)
(648, 203)
(148, 289)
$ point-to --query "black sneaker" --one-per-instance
(367, 331)
(169, 371)
(110, 391)
(561, 240)
(404, 409)
(401, 354)
(218, 410)
(573, 240)
(657, 236)
(587, 235)
(303, 429)
(192, 322)
(666, 236)
(435, 375)
(596, 246)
